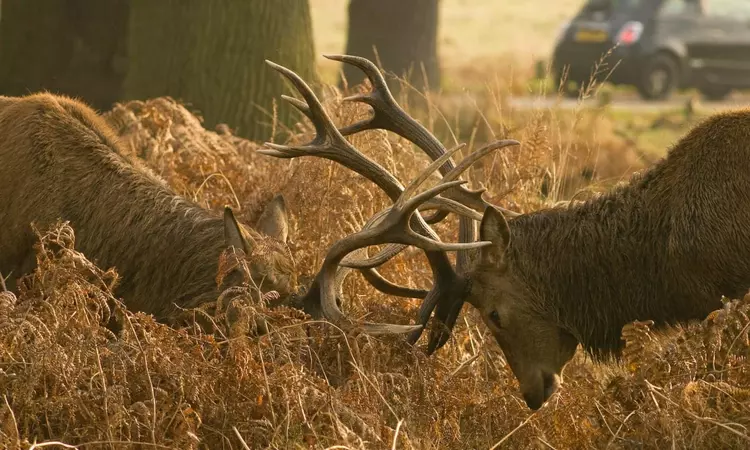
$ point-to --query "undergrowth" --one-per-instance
(273, 378)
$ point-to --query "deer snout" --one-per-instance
(540, 388)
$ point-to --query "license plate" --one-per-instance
(591, 36)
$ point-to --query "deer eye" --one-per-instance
(495, 318)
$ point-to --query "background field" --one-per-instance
(477, 33)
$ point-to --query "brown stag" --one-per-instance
(59, 160)
(665, 247)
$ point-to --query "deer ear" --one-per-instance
(274, 221)
(232, 233)
(494, 228)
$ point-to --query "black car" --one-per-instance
(658, 46)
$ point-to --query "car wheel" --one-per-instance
(660, 78)
(569, 89)
(715, 93)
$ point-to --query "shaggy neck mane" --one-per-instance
(597, 266)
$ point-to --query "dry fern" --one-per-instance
(240, 372)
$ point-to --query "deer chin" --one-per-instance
(537, 390)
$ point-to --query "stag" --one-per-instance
(665, 247)
(60, 160)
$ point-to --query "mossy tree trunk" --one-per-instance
(210, 55)
(404, 34)
(73, 47)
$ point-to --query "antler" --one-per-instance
(393, 227)
(388, 115)
(401, 224)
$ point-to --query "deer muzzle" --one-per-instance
(540, 389)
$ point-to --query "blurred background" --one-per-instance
(210, 54)
(602, 87)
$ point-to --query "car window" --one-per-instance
(604, 8)
(626, 4)
(681, 8)
(735, 9)
(612, 4)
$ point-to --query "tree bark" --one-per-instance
(404, 34)
(72, 47)
(210, 55)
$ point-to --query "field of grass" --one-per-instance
(273, 378)
(276, 379)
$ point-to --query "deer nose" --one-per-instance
(535, 398)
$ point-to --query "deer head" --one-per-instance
(272, 265)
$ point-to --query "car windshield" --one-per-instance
(604, 8)
(734, 9)
(738, 9)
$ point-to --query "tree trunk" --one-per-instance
(210, 55)
(73, 47)
(404, 34)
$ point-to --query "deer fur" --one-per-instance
(60, 160)
(664, 247)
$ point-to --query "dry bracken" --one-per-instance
(273, 378)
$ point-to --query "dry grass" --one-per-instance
(305, 384)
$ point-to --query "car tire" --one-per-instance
(566, 90)
(571, 92)
(660, 78)
(715, 93)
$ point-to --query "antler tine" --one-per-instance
(371, 275)
(450, 205)
(392, 251)
(446, 315)
(324, 126)
(476, 156)
(378, 282)
(300, 105)
(434, 165)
